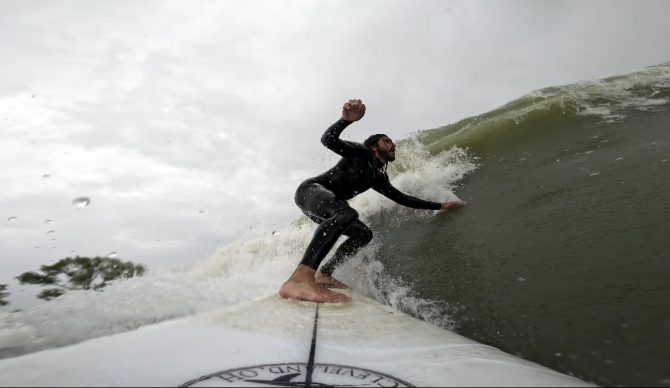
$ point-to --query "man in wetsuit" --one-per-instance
(324, 200)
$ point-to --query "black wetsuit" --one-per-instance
(323, 199)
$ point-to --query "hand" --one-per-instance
(353, 110)
(449, 204)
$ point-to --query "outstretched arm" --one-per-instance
(396, 195)
(353, 110)
(384, 187)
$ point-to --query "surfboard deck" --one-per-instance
(277, 342)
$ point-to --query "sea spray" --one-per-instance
(243, 270)
(418, 173)
(366, 274)
(122, 306)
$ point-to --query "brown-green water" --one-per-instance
(562, 254)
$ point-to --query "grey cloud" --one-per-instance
(171, 108)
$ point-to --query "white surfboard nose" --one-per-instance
(278, 342)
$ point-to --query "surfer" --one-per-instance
(324, 200)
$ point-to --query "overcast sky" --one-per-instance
(191, 123)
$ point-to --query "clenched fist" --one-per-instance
(353, 110)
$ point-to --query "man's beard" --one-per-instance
(389, 156)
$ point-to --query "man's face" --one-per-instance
(386, 148)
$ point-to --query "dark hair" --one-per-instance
(372, 140)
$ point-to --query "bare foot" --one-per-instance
(328, 281)
(301, 285)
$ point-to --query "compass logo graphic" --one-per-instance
(298, 375)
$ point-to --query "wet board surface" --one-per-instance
(276, 342)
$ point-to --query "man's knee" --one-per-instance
(366, 236)
(347, 216)
(361, 233)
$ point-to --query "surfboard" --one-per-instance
(277, 342)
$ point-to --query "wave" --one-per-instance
(606, 100)
(431, 164)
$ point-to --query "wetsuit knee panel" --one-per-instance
(366, 236)
(347, 216)
(363, 235)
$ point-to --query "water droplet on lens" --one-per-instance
(520, 279)
(619, 158)
(81, 202)
(11, 219)
(45, 176)
(594, 174)
(274, 233)
(48, 221)
(112, 255)
(51, 232)
(201, 212)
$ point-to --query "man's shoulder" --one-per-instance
(361, 150)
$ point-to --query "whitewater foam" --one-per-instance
(244, 270)
(611, 100)
(610, 97)
(420, 174)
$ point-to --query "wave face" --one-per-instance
(560, 255)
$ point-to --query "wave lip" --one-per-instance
(610, 99)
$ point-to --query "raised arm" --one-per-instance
(353, 110)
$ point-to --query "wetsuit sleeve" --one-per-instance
(384, 187)
(331, 139)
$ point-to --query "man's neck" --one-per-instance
(380, 160)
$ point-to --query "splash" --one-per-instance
(366, 274)
(238, 272)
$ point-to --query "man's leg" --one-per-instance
(326, 236)
(335, 215)
(359, 236)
